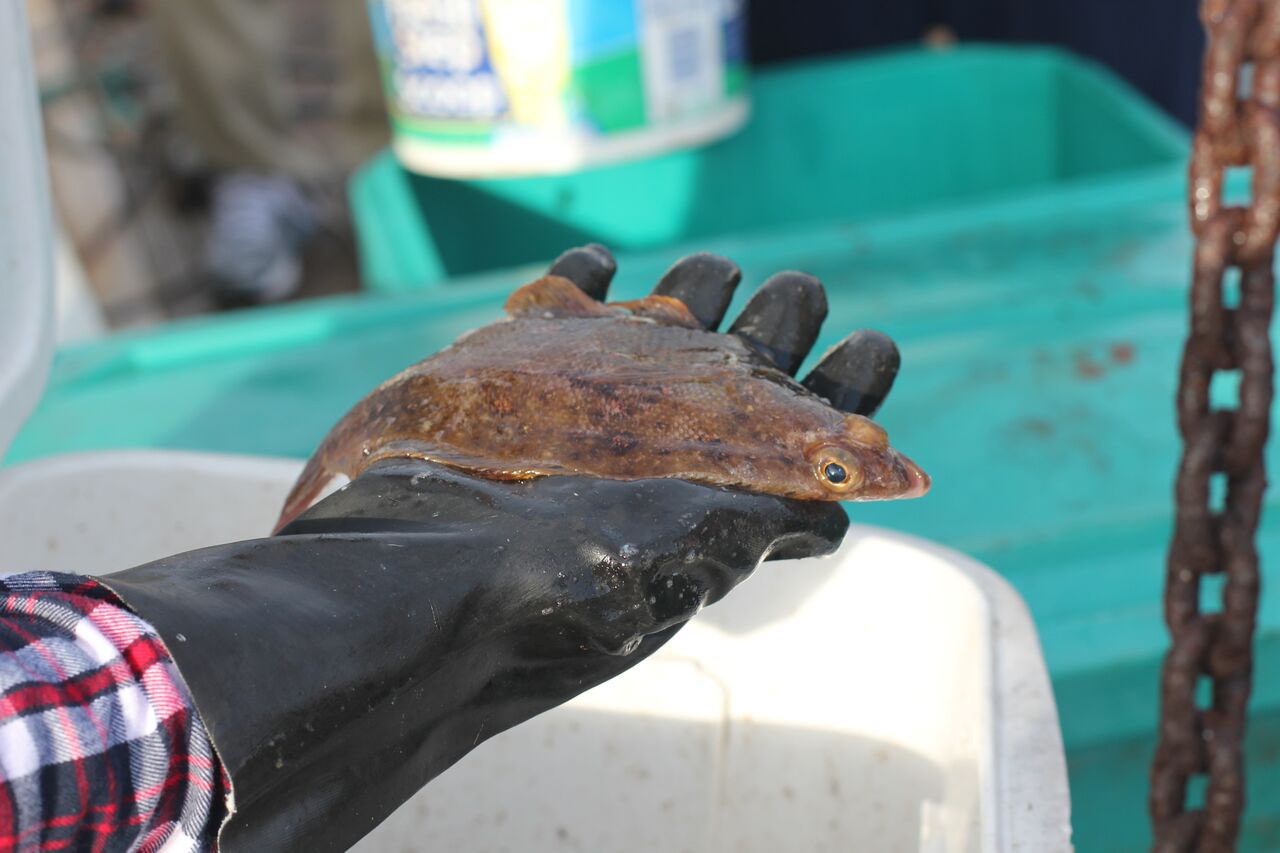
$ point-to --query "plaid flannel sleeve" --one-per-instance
(101, 748)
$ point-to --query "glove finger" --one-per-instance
(704, 283)
(783, 319)
(858, 373)
(807, 529)
(736, 530)
(590, 267)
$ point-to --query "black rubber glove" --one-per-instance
(342, 664)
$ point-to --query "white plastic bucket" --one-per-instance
(485, 88)
(892, 697)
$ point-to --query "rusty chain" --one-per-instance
(1233, 263)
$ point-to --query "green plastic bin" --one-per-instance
(832, 141)
(1040, 325)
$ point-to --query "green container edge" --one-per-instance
(399, 254)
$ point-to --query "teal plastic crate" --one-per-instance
(840, 140)
(1040, 327)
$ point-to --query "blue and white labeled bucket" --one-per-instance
(482, 88)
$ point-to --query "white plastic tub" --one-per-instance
(892, 697)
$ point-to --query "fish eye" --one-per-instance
(837, 469)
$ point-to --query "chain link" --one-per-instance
(1232, 243)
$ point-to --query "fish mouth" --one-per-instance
(890, 476)
(918, 482)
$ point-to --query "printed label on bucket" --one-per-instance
(683, 49)
(493, 73)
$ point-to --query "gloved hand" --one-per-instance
(342, 664)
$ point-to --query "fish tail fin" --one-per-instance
(553, 296)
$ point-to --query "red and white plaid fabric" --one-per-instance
(101, 748)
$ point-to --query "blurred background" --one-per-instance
(200, 150)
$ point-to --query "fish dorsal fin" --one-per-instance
(662, 309)
(553, 296)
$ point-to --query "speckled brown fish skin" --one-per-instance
(624, 391)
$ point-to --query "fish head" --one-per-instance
(854, 462)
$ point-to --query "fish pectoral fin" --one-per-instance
(481, 466)
(553, 296)
(666, 310)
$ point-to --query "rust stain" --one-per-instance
(1086, 367)
(1039, 427)
(1122, 353)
